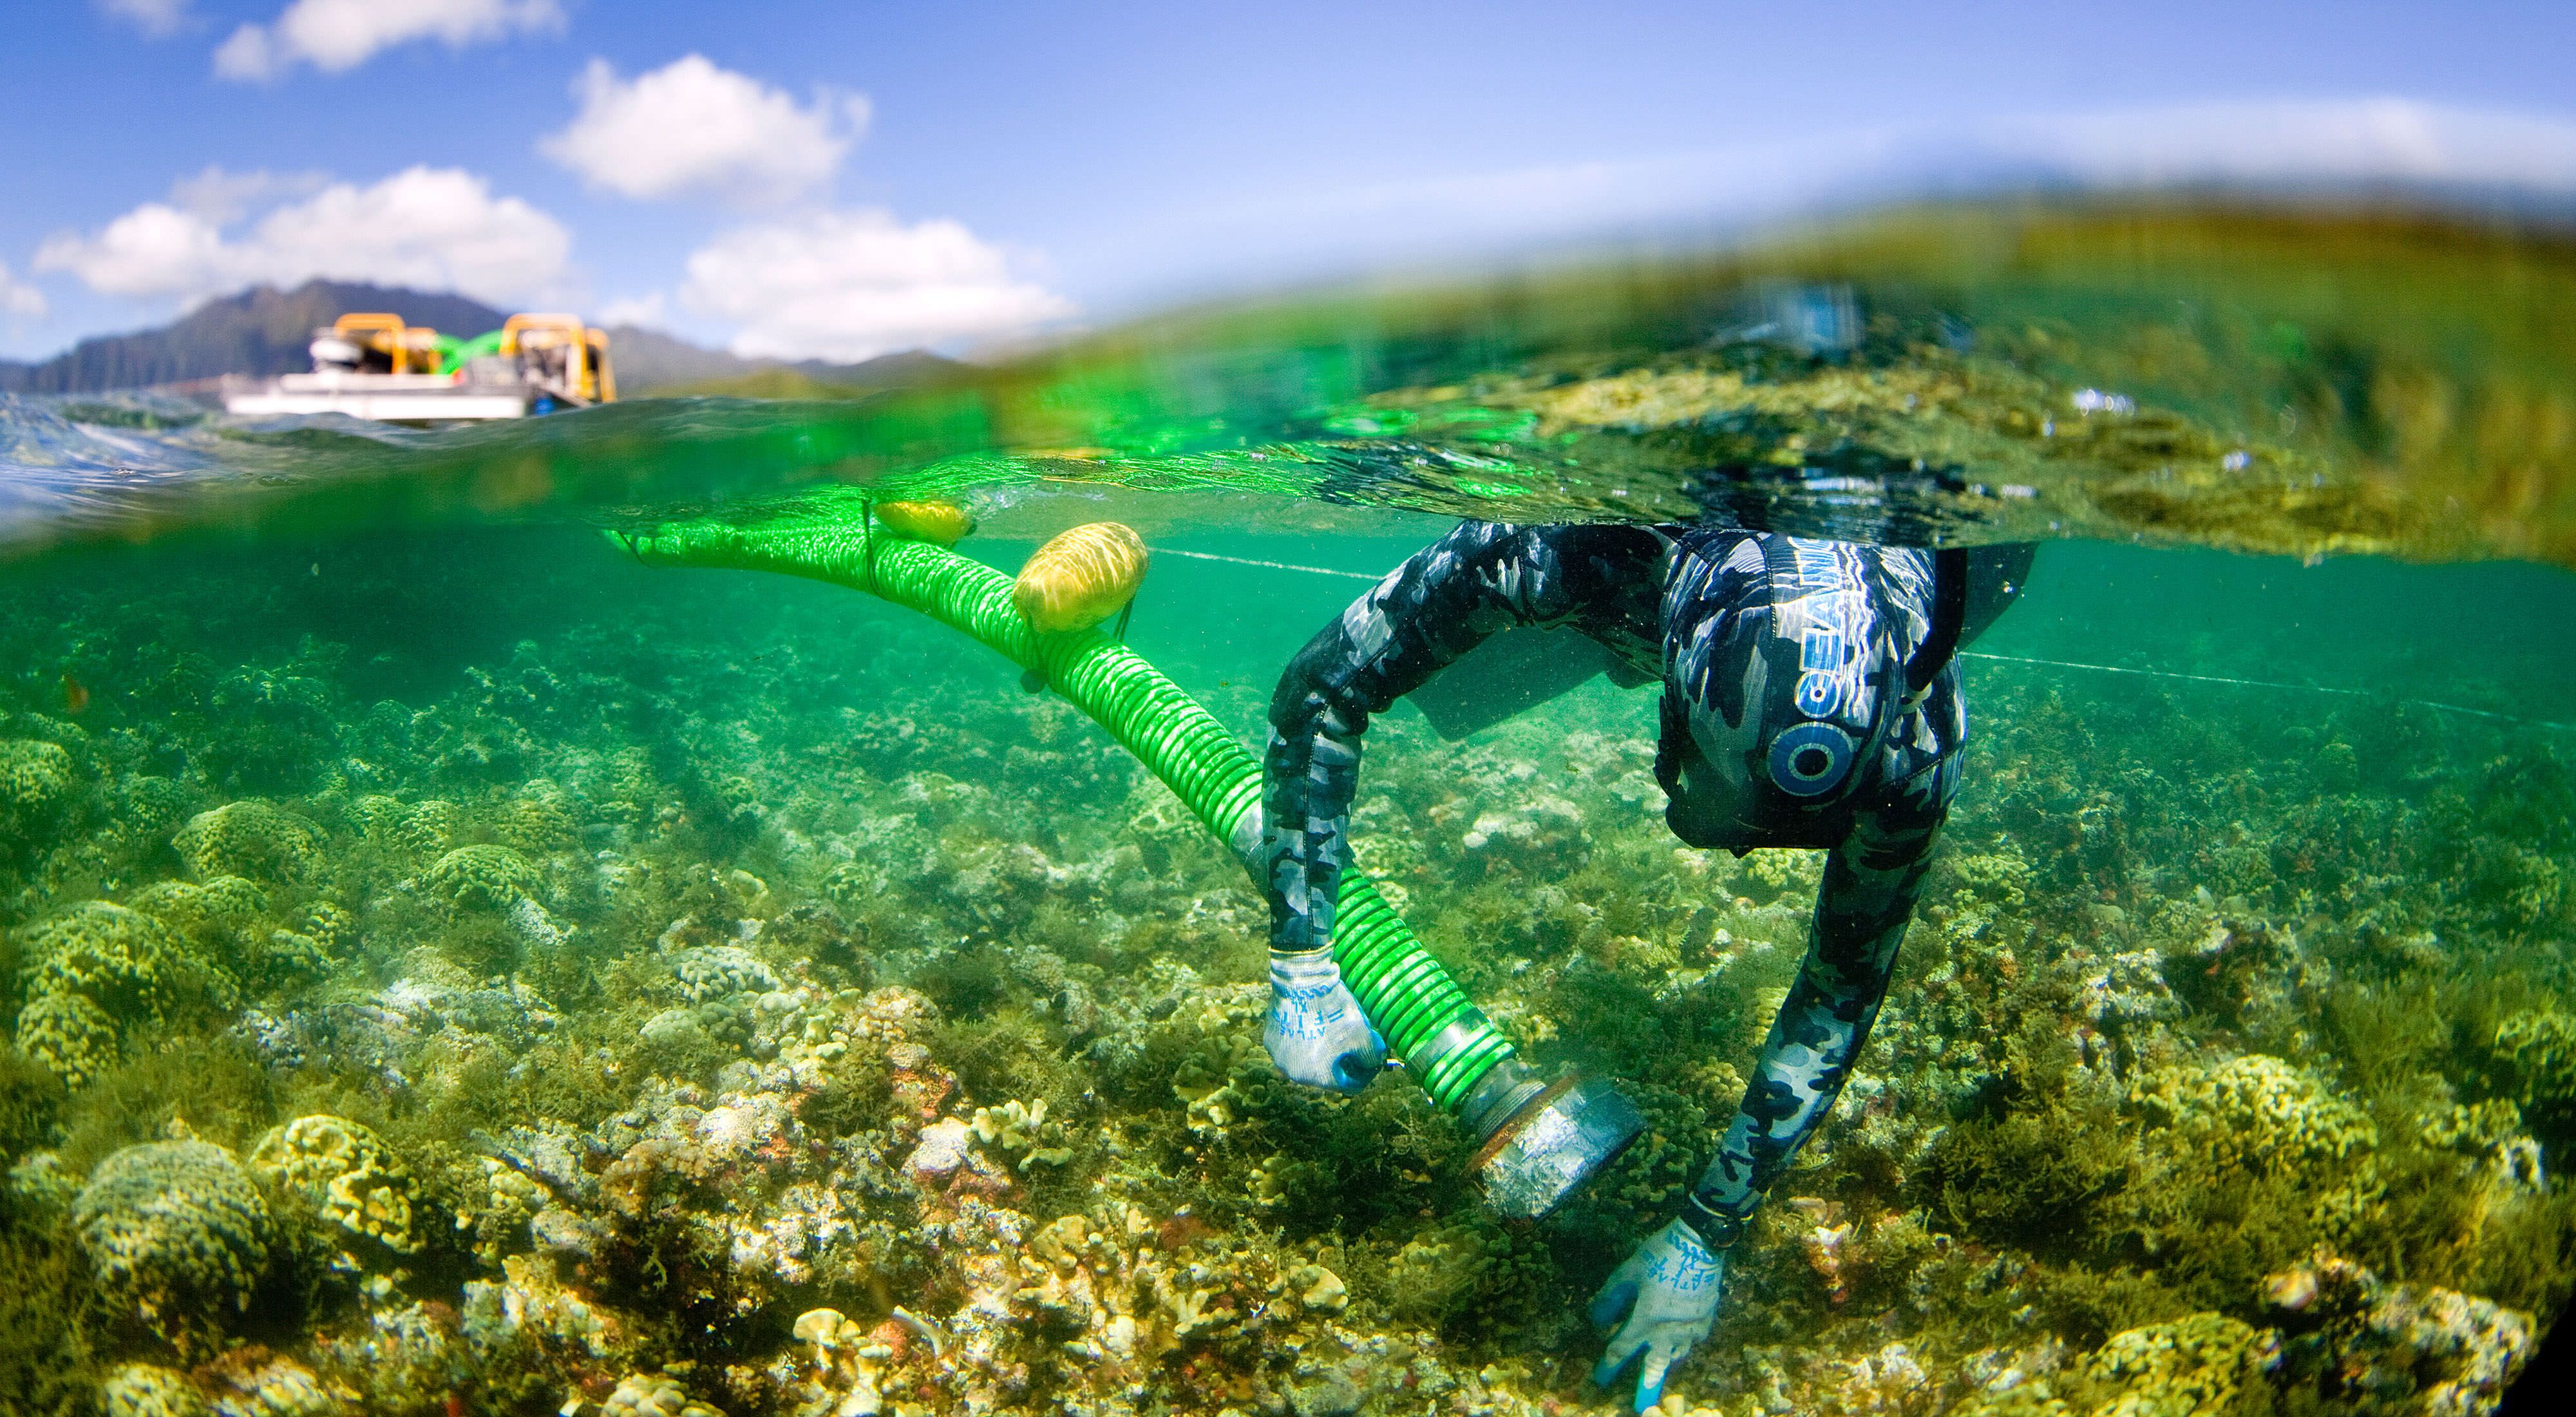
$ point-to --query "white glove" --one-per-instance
(1669, 1290)
(1315, 1031)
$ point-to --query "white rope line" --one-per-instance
(1272, 565)
(2262, 684)
(2171, 674)
(2002, 658)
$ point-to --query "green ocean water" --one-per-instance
(453, 967)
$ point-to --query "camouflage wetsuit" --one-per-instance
(1788, 720)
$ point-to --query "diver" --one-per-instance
(1809, 700)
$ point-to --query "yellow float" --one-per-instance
(1081, 578)
(939, 523)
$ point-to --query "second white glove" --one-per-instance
(1663, 1301)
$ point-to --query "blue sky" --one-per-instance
(838, 179)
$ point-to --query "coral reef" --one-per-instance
(35, 779)
(176, 1231)
(2536, 1049)
(2203, 1363)
(483, 877)
(1019, 1130)
(69, 1034)
(95, 971)
(2252, 1113)
(249, 838)
(700, 996)
(2393, 1345)
(119, 959)
(348, 1173)
(418, 829)
(653, 1395)
(147, 1390)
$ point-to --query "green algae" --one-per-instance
(31, 1096)
(57, 1328)
(2206, 1363)
(2033, 1179)
(1472, 1278)
(209, 1086)
(2190, 998)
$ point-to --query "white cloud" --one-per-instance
(221, 195)
(691, 128)
(18, 299)
(155, 249)
(431, 228)
(853, 285)
(158, 18)
(338, 35)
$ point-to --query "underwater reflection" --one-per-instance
(2277, 377)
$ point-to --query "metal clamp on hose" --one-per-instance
(1547, 1140)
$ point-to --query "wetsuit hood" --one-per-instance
(1784, 694)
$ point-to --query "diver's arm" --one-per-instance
(1482, 578)
(1871, 883)
(1664, 1298)
(1447, 599)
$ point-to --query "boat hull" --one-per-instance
(387, 398)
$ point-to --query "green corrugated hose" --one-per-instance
(1407, 995)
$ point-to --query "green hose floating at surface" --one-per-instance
(1540, 1140)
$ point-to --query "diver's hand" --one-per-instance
(1668, 1289)
(1316, 1032)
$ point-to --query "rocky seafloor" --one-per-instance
(475, 976)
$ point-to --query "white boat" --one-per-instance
(377, 367)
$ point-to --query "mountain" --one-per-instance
(770, 379)
(263, 330)
(649, 361)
